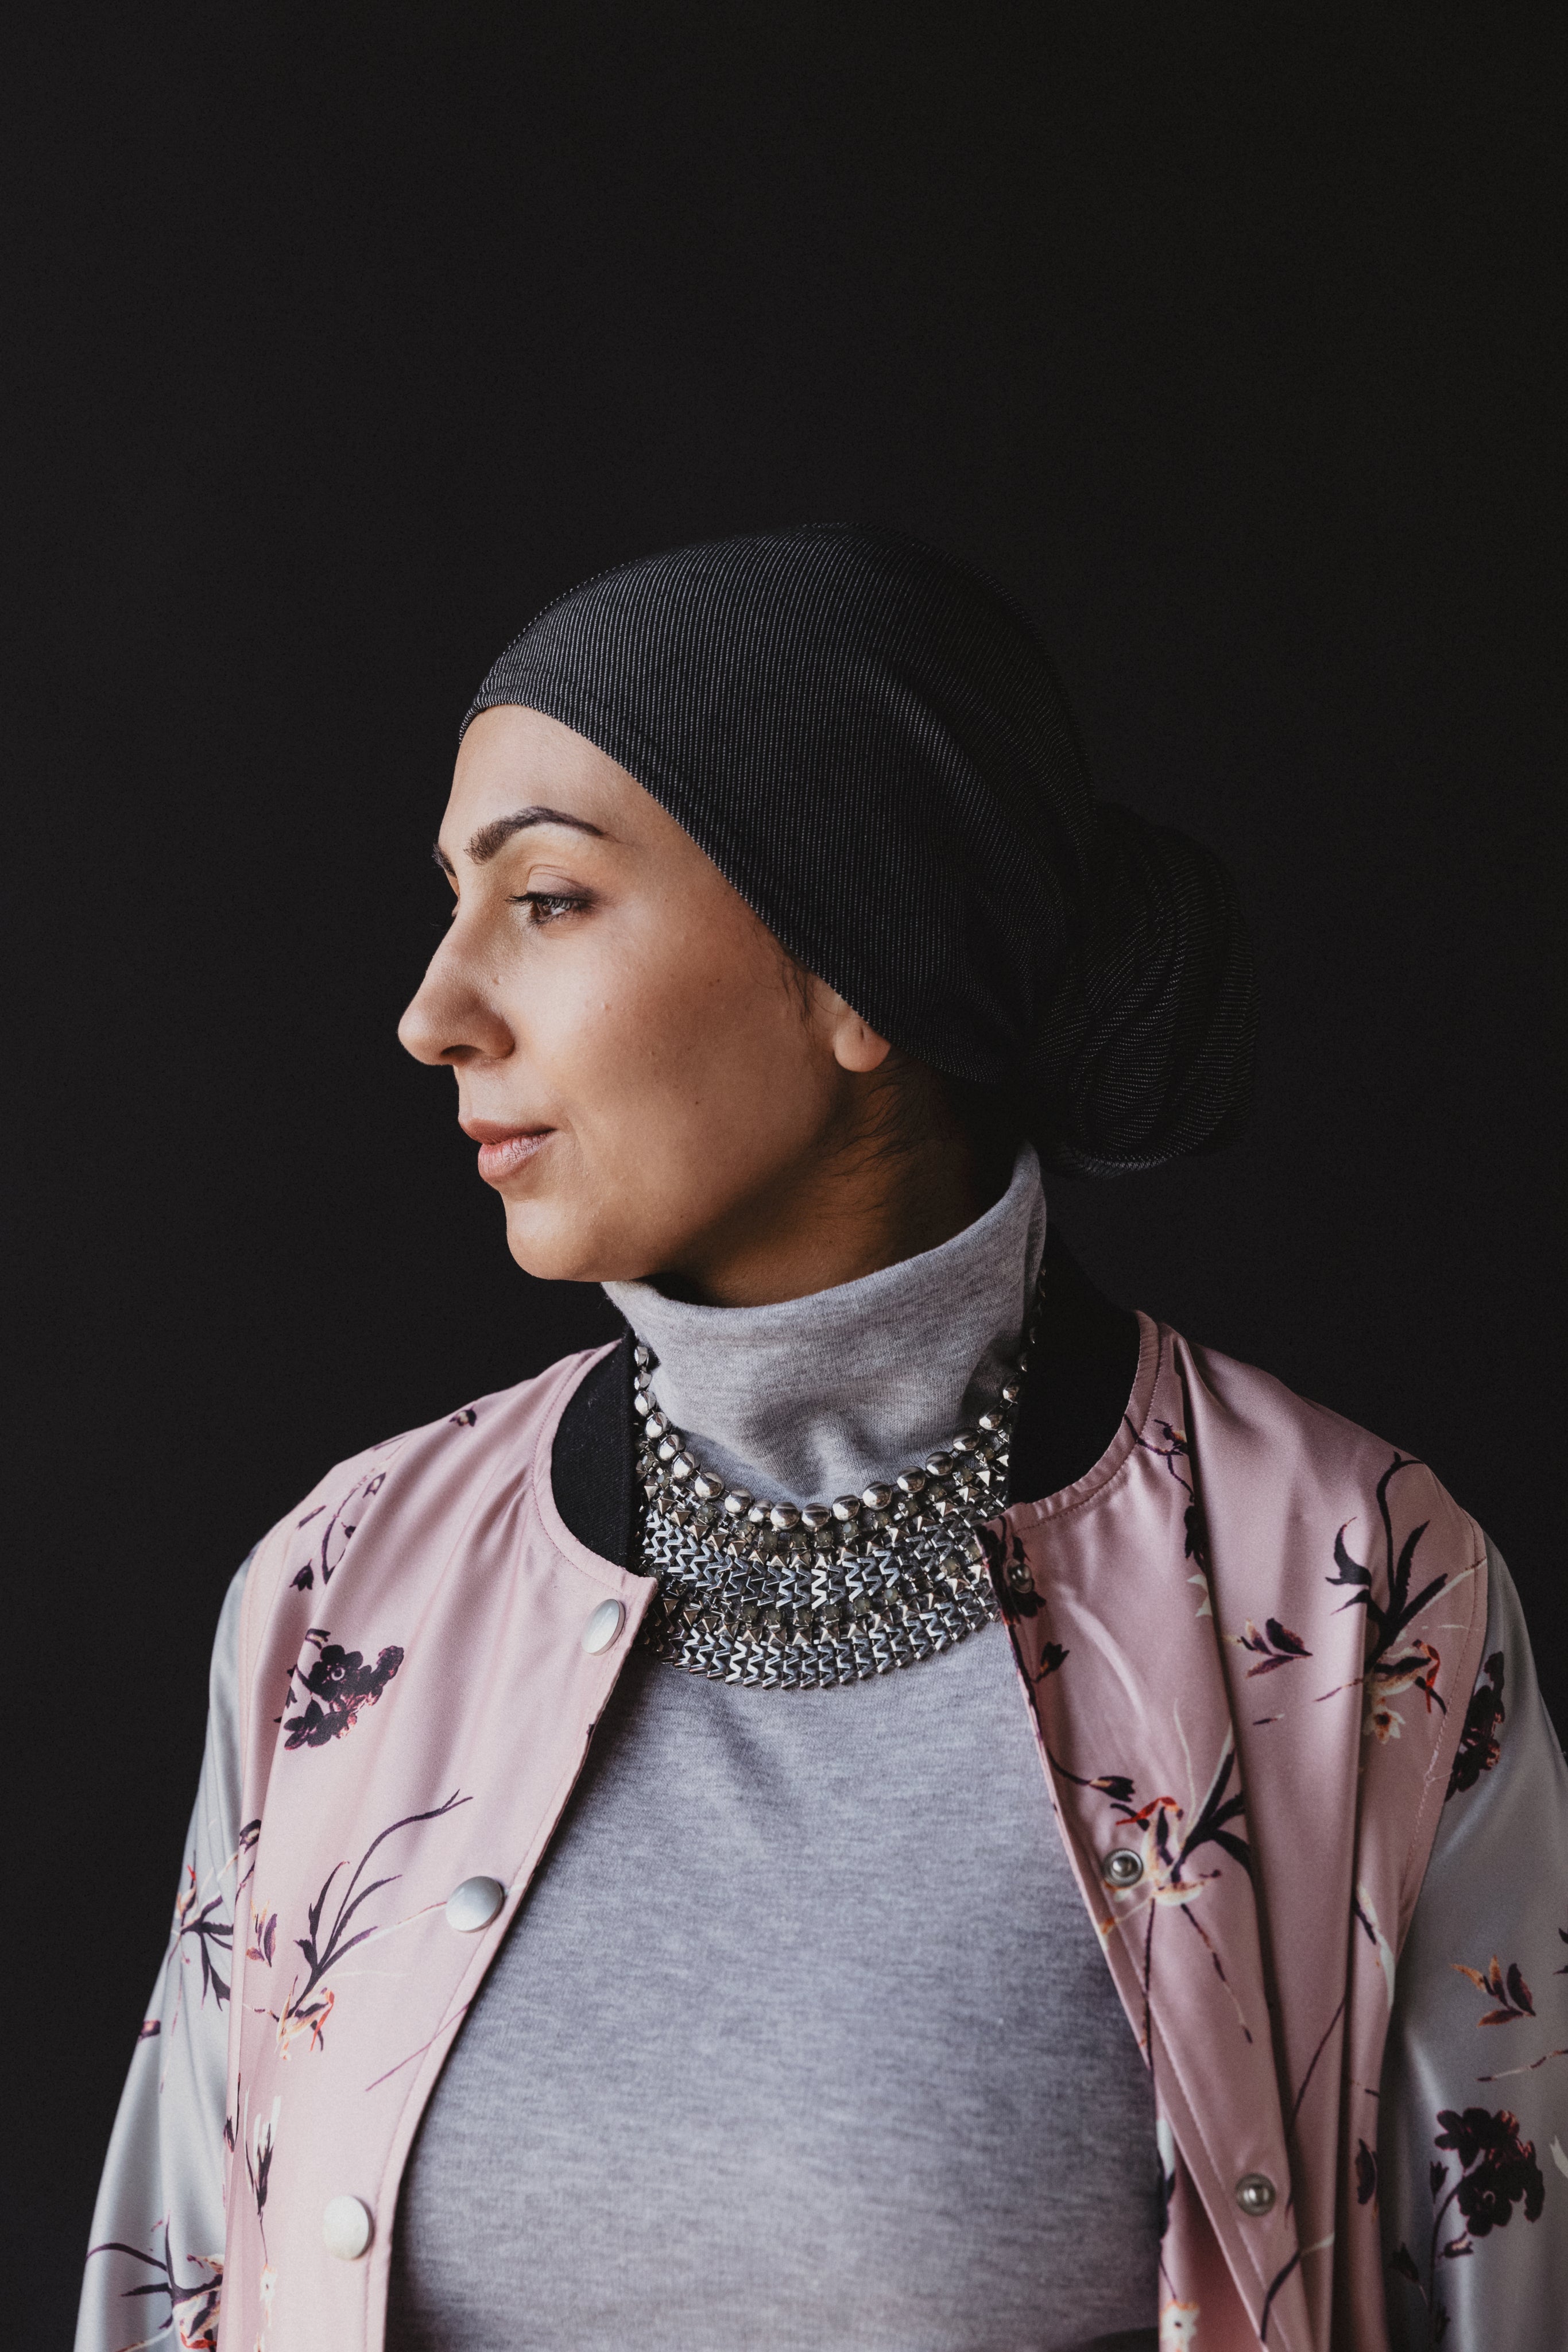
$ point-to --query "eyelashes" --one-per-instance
(547, 906)
(543, 907)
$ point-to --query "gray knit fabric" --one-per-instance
(818, 1396)
(801, 2039)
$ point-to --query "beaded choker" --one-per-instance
(777, 1597)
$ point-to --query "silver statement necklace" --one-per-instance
(779, 1598)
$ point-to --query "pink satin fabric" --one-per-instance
(1242, 1638)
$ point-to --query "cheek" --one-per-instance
(672, 1065)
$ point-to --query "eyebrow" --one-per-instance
(494, 835)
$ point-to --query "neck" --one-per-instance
(846, 1210)
(813, 1396)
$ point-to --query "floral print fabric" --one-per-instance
(1471, 2179)
(155, 2274)
(310, 1972)
(1248, 1638)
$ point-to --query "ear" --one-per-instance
(856, 1045)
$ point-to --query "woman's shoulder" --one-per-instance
(1251, 1428)
(427, 1470)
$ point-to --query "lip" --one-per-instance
(504, 1152)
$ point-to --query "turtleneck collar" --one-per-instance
(818, 1396)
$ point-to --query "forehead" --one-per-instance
(512, 758)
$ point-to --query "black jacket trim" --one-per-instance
(1080, 1380)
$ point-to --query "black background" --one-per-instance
(338, 340)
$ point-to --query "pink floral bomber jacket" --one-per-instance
(1281, 1692)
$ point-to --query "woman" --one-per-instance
(788, 946)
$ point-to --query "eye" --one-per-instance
(547, 906)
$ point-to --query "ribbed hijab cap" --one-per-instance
(870, 744)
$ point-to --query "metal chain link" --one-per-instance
(773, 1597)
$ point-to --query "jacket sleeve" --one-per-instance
(154, 2267)
(1473, 2135)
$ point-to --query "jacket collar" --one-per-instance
(1084, 1364)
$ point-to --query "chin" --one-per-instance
(555, 1246)
(546, 1256)
(551, 1246)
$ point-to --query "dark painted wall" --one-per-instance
(1223, 337)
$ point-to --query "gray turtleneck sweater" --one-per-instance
(801, 2037)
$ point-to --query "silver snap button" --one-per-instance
(1123, 1868)
(346, 2228)
(1256, 2194)
(474, 1905)
(603, 1627)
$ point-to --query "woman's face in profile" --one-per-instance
(648, 1081)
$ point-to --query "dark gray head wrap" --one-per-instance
(871, 746)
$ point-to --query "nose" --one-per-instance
(452, 1018)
